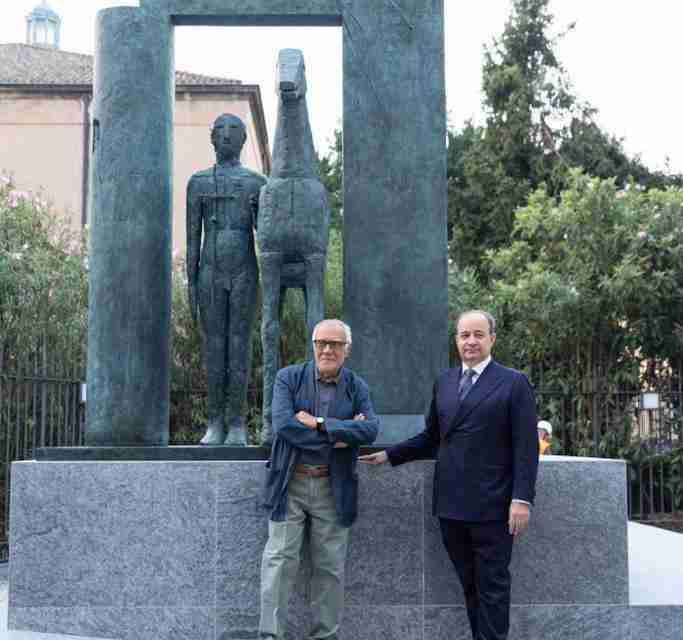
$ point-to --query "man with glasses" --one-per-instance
(321, 414)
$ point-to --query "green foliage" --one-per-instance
(331, 168)
(536, 130)
(43, 278)
(465, 291)
(188, 377)
(656, 480)
(493, 169)
(603, 156)
(589, 287)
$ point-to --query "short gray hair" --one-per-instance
(490, 319)
(345, 327)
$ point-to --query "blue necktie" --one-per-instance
(466, 382)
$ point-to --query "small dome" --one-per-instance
(42, 27)
(43, 11)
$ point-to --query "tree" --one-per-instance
(535, 131)
(589, 287)
(43, 278)
(493, 169)
(602, 155)
(588, 299)
(331, 168)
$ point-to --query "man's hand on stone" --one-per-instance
(306, 419)
(519, 517)
(374, 458)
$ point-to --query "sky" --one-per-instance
(623, 57)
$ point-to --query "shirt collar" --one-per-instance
(334, 380)
(478, 369)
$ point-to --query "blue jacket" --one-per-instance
(486, 445)
(293, 391)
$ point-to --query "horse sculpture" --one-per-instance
(293, 222)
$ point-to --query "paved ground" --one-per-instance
(655, 576)
(655, 565)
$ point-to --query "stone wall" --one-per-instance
(162, 550)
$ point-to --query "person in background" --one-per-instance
(545, 434)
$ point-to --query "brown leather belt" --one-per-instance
(314, 470)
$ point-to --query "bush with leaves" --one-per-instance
(590, 284)
(43, 281)
(535, 131)
(589, 295)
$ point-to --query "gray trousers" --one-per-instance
(309, 504)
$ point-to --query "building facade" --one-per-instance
(45, 101)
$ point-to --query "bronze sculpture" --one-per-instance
(222, 275)
(294, 220)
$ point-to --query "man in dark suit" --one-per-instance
(481, 427)
(322, 414)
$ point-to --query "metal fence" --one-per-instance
(40, 406)
(645, 428)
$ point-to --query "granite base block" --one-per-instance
(395, 428)
(446, 622)
(112, 535)
(164, 549)
(385, 564)
(575, 552)
(665, 623)
(117, 623)
(373, 622)
(566, 622)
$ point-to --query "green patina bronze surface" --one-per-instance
(395, 257)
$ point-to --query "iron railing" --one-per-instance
(40, 406)
(646, 429)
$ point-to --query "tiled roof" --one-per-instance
(25, 64)
(183, 77)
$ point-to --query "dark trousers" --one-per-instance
(481, 552)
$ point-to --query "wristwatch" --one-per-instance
(320, 424)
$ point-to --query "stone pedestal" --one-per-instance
(171, 549)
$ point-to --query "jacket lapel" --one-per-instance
(487, 382)
(308, 384)
(339, 402)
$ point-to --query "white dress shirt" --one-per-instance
(478, 369)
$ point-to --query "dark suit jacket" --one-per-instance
(294, 391)
(486, 446)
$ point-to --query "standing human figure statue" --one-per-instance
(222, 275)
(294, 221)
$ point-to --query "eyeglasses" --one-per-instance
(321, 345)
